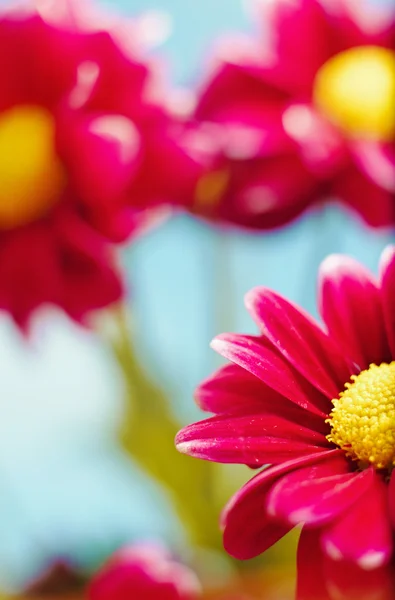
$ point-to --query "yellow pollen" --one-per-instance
(363, 417)
(356, 90)
(211, 188)
(31, 174)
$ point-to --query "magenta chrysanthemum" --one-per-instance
(318, 405)
(313, 97)
(85, 139)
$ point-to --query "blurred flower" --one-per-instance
(319, 407)
(303, 114)
(82, 131)
(145, 572)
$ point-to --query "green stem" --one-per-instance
(148, 436)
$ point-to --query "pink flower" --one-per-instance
(144, 572)
(318, 405)
(84, 139)
(303, 114)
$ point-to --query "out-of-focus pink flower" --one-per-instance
(146, 572)
(84, 139)
(303, 114)
(318, 405)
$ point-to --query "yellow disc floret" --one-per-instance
(363, 417)
(356, 90)
(31, 173)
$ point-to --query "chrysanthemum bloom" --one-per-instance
(144, 572)
(80, 129)
(318, 405)
(304, 114)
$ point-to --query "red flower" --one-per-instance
(146, 573)
(80, 130)
(316, 404)
(303, 114)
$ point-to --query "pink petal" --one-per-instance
(311, 584)
(249, 439)
(347, 581)
(248, 529)
(232, 388)
(391, 498)
(259, 357)
(321, 578)
(317, 494)
(300, 340)
(387, 284)
(377, 160)
(369, 546)
(101, 154)
(236, 87)
(372, 202)
(351, 308)
(360, 23)
(298, 34)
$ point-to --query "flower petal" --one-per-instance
(249, 439)
(387, 281)
(311, 584)
(300, 340)
(232, 388)
(248, 529)
(293, 29)
(317, 494)
(356, 325)
(372, 202)
(322, 578)
(259, 357)
(370, 546)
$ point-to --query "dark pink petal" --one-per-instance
(248, 529)
(322, 578)
(259, 357)
(377, 160)
(360, 23)
(320, 144)
(311, 584)
(350, 305)
(236, 87)
(101, 153)
(374, 203)
(317, 494)
(252, 439)
(298, 34)
(391, 498)
(347, 581)
(300, 340)
(387, 284)
(369, 546)
(232, 388)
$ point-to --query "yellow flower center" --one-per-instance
(31, 174)
(356, 90)
(363, 417)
